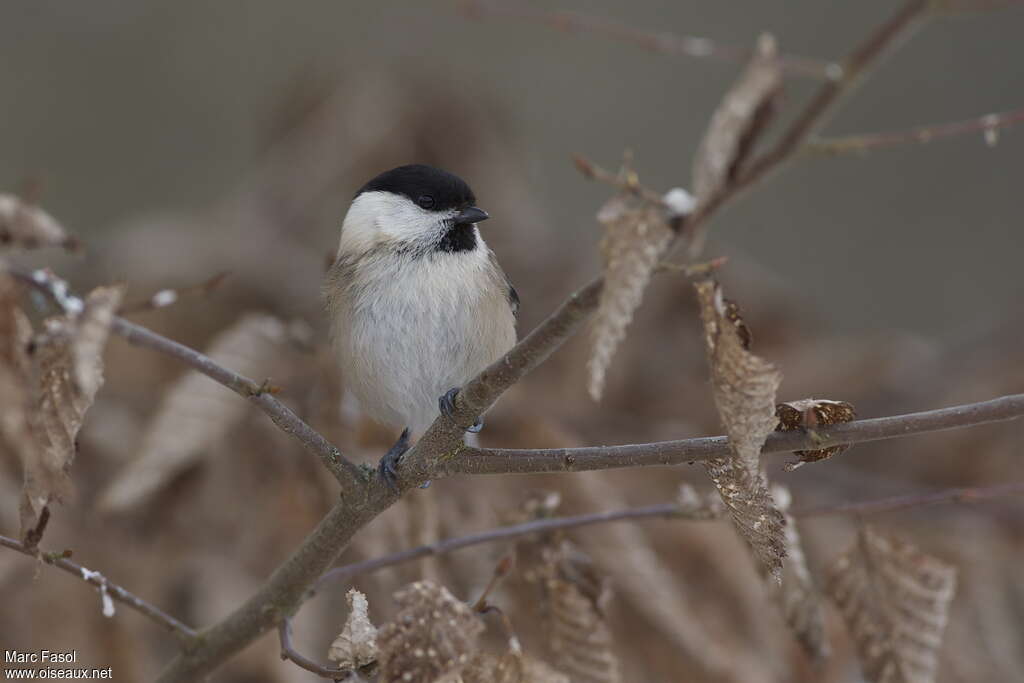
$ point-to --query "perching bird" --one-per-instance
(418, 304)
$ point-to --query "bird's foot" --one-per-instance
(446, 404)
(388, 467)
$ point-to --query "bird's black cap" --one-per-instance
(447, 190)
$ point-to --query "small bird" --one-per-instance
(418, 304)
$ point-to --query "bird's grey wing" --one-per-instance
(511, 294)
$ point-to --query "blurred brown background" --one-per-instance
(182, 139)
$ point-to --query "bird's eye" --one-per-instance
(426, 201)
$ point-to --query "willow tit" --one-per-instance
(418, 304)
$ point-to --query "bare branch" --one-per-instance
(867, 142)
(448, 545)
(661, 42)
(627, 182)
(524, 461)
(288, 652)
(60, 561)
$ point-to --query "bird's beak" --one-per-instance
(471, 214)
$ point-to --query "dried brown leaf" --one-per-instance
(737, 122)
(356, 645)
(744, 385)
(196, 412)
(575, 594)
(752, 510)
(808, 414)
(70, 363)
(636, 235)
(433, 635)
(580, 637)
(895, 601)
(797, 596)
(27, 226)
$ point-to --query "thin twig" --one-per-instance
(288, 652)
(661, 42)
(501, 533)
(529, 461)
(867, 142)
(115, 591)
(625, 182)
(659, 511)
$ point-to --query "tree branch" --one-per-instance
(502, 533)
(531, 461)
(920, 135)
(661, 42)
(288, 652)
(115, 591)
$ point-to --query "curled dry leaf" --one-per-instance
(636, 235)
(743, 385)
(27, 226)
(433, 635)
(808, 414)
(895, 601)
(574, 598)
(752, 511)
(738, 122)
(580, 637)
(742, 115)
(196, 412)
(70, 368)
(356, 645)
(797, 596)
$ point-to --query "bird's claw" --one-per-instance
(388, 467)
(446, 404)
